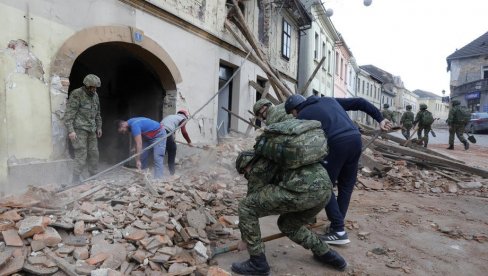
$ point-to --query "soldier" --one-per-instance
(297, 195)
(388, 114)
(84, 125)
(456, 124)
(266, 111)
(171, 123)
(407, 122)
(424, 119)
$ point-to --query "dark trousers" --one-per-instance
(171, 150)
(342, 166)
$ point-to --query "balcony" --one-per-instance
(475, 86)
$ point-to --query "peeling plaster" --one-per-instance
(26, 62)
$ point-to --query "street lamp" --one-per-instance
(367, 2)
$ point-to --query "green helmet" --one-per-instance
(257, 106)
(92, 80)
(423, 106)
(455, 102)
(243, 160)
(386, 105)
(409, 107)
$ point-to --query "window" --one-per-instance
(342, 67)
(337, 63)
(316, 49)
(329, 63)
(286, 43)
(485, 72)
(363, 87)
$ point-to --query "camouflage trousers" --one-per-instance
(406, 132)
(296, 210)
(86, 152)
(426, 130)
(459, 131)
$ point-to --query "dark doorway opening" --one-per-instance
(130, 88)
(224, 100)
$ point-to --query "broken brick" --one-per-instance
(98, 258)
(81, 253)
(79, 228)
(11, 238)
(32, 225)
(11, 215)
(217, 271)
(136, 235)
(50, 237)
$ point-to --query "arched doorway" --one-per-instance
(138, 79)
(130, 88)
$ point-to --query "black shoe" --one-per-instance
(466, 145)
(334, 238)
(333, 259)
(425, 145)
(451, 147)
(256, 265)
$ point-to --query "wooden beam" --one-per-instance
(239, 117)
(312, 76)
(424, 156)
(262, 90)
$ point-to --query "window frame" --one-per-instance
(286, 40)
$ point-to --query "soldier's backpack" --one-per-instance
(463, 115)
(293, 143)
(427, 118)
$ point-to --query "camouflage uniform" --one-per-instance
(83, 117)
(407, 122)
(422, 127)
(456, 126)
(277, 114)
(298, 197)
(389, 115)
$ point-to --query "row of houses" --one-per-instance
(155, 57)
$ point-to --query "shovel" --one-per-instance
(224, 249)
(471, 138)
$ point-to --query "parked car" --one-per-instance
(478, 122)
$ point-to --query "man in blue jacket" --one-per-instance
(345, 144)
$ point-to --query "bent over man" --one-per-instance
(84, 125)
(145, 133)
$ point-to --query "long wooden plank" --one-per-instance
(429, 157)
(263, 93)
(312, 76)
(239, 117)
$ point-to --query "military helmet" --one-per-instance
(92, 80)
(243, 160)
(423, 106)
(409, 107)
(386, 105)
(293, 101)
(257, 106)
(455, 102)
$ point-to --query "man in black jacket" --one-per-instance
(344, 142)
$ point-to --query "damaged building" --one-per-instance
(153, 58)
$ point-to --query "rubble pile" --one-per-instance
(124, 229)
(407, 176)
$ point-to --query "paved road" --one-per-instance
(443, 138)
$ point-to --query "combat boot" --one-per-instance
(451, 147)
(256, 265)
(466, 145)
(333, 259)
(425, 144)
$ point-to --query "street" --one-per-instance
(442, 137)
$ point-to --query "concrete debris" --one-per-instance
(125, 229)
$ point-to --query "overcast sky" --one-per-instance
(410, 38)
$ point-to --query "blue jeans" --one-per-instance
(342, 166)
(158, 153)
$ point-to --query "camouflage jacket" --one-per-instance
(83, 111)
(407, 119)
(277, 114)
(452, 118)
(389, 115)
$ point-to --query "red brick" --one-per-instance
(79, 229)
(12, 238)
(50, 237)
(98, 258)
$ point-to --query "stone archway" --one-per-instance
(140, 47)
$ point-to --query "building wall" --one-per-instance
(312, 51)
(369, 89)
(33, 98)
(467, 70)
(340, 77)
